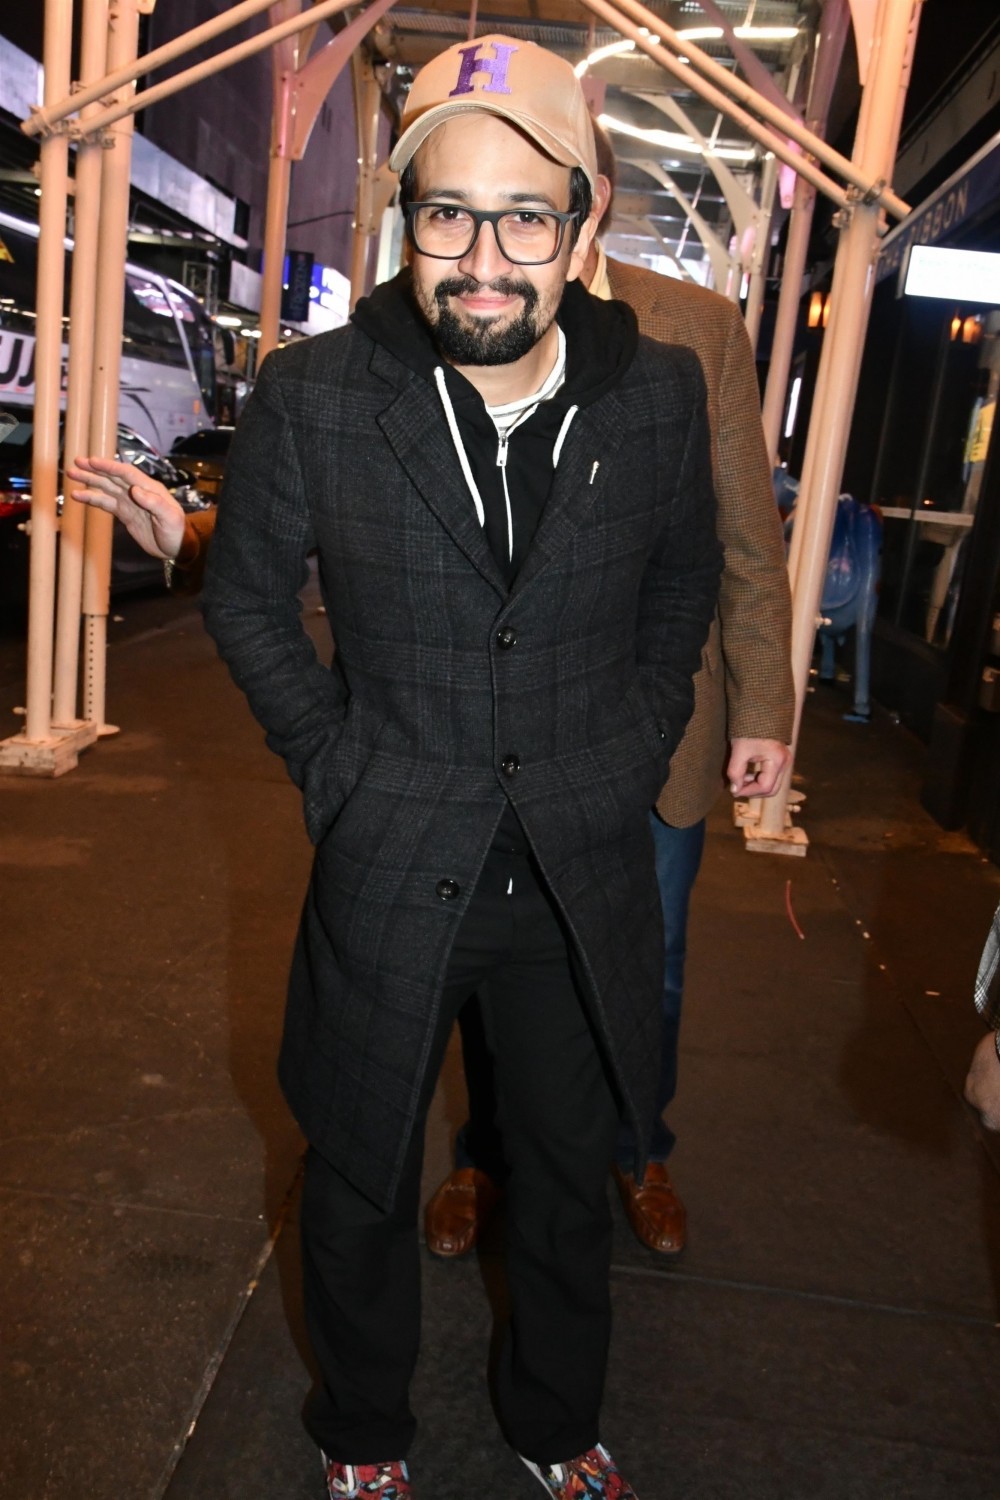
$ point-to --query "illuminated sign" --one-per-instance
(957, 275)
(329, 297)
(330, 289)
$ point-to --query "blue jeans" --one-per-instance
(678, 858)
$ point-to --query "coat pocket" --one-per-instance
(346, 761)
(653, 737)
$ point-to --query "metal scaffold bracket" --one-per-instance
(59, 127)
(102, 136)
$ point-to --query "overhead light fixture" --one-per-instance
(672, 140)
(613, 49)
(742, 33)
(691, 34)
(226, 320)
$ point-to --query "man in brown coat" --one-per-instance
(744, 704)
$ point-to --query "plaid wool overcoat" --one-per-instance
(582, 671)
(744, 687)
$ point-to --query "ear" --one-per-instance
(584, 239)
(602, 195)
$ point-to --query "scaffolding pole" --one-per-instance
(123, 42)
(761, 250)
(833, 32)
(875, 150)
(76, 436)
(301, 83)
(367, 110)
(40, 747)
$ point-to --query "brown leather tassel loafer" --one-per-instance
(459, 1211)
(656, 1214)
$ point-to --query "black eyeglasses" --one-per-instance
(526, 236)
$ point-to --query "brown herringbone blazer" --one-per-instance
(744, 688)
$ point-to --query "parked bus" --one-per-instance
(168, 385)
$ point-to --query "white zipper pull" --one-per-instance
(502, 453)
(593, 472)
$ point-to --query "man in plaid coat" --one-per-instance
(510, 496)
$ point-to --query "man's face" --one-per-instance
(484, 309)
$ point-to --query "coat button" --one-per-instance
(506, 638)
(510, 765)
(447, 889)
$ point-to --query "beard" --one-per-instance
(484, 340)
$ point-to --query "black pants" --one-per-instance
(558, 1117)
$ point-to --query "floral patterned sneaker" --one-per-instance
(592, 1476)
(356, 1481)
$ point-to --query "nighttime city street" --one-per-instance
(500, 750)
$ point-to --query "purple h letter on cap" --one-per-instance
(473, 64)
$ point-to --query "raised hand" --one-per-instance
(145, 507)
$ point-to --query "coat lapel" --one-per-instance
(414, 427)
(580, 482)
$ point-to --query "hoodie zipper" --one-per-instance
(503, 448)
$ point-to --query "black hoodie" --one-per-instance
(601, 340)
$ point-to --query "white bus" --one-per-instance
(168, 385)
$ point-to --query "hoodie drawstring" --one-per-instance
(456, 438)
(504, 439)
(564, 429)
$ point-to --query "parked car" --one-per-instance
(203, 455)
(131, 568)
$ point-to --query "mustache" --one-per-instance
(467, 286)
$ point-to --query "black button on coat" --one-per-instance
(345, 449)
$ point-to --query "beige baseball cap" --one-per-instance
(520, 81)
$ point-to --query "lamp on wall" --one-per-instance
(819, 310)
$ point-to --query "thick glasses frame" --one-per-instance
(481, 216)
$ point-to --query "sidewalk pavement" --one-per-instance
(830, 1333)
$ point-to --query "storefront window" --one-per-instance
(938, 473)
